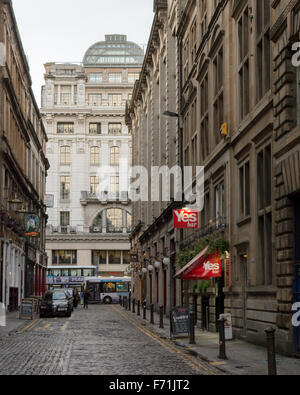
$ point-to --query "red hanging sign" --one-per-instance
(186, 219)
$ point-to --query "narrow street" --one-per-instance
(101, 340)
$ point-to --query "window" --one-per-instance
(243, 69)
(65, 127)
(122, 287)
(114, 220)
(244, 185)
(132, 77)
(114, 156)
(218, 96)
(99, 257)
(94, 157)
(220, 203)
(64, 257)
(115, 77)
(114, 184)
(94, 184)
(64, 218)
(129, 221)
(95, 99)
(65, 187)
(95, 128)
(95, 78)
(114, 257)
(126, 257)
(264, 196)
(263, 63)
(115, 99)
(65, 155)
(115, 129)
(204, 119)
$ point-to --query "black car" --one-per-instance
(57, 302)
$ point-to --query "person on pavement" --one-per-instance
(86, 295)
(75, 297)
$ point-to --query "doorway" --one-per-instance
(13, 299)
(244, 283)
(296, 281)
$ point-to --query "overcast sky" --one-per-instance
(62, 30)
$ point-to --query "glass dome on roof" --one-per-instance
(115, 50)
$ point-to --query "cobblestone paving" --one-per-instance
(99, 340)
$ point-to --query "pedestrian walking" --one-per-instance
(75, 297)
(86, 296)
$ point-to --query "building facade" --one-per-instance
(155, 143)
(23, 170)
(236, 101)
(83, 107)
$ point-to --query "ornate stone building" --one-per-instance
(236, 101)
(23, 170)
(83, 106)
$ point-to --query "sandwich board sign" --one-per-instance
(27, 309)
(179, 320)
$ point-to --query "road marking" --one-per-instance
(63, 328)
(191, 361)
(29, 326)
(217, 363)
(47, 326)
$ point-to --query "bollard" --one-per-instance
(129, 303)
(123, 301)
(144, 309)
(152, 314)
(120, 300)
(272, 370)
(192, 328)
(133, 305)
(222, 346)
(139, 308)
(161, 317)
(195, 309)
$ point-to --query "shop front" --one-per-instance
(205, 279)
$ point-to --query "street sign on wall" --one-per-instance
(186, 219)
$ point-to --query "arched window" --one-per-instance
(114, 156)
(129, 222)
(97, 224)
(65, 155)
(114, 220)
(95, 156)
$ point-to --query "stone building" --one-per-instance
(83, 107)
(155, 143)
(237, 100)
(23, 170)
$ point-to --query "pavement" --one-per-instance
(13, 324)
(243, 358)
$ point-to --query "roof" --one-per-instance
(115, 50)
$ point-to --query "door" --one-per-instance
(244, 273)
(296, 282)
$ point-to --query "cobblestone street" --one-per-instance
(101, 340)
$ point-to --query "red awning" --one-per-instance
(192, 264)
(201, 267)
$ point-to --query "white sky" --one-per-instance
(62, 30)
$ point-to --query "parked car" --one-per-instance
(56, 302)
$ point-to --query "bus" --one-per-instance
(107, 290)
